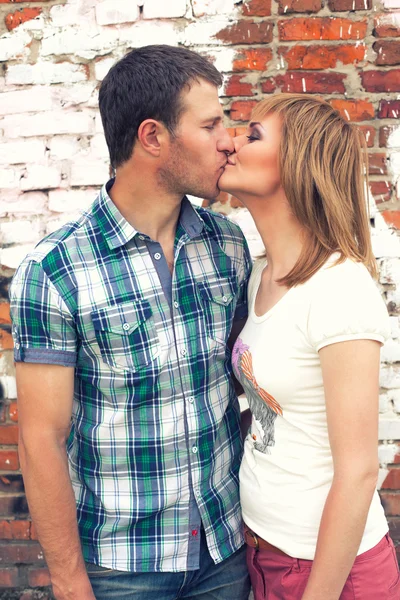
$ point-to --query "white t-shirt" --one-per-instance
(287, 467)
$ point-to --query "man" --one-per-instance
(121, 321)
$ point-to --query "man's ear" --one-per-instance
(151, 135)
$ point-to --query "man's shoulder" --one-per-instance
(220, 225)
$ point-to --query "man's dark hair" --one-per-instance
(147, 84)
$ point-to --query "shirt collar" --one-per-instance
(119, 232)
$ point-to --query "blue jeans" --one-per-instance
(228, 580)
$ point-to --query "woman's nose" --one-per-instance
(238, 142)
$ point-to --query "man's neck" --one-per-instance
(153, 212)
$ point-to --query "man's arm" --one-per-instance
(45, 395)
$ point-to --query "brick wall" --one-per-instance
(53, 156)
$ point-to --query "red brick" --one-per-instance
(312, 83)
(21, 553)
(391, 503)
(255, 59)
(377, 163)
(369, 134)
(9, 434)
(6, 341)
(387, 26)
(8, 577)
(392, 217)
(39, 577)
(381, 81)
(299, 6)
(392, 480)
(247, 32)
(15, 530)
(13, 412)
(322, 57)
(240, 130)
(241, 110)
(388, 52)
(235, 86)
(381, 191)
(257, 8)
(9, 460)
(14, 19)
(268, 86)
(354, 110)
(34, 535)
(321, 28)
(389, 109)
(384, 135)
(5, 313)
(349, 5)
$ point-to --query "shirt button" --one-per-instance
(141, 237)
(176, 304)
(17, 346)
(197, 493)
(224, 299)
(183, 352)
(195, 449)
(125, 326)
(157, 256)
(191, 399)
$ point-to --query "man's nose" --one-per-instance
(225, 143)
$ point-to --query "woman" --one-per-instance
(308, 359)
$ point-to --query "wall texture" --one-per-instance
(53, 156)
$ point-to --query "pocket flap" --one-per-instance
(122, 318)
(221, 291)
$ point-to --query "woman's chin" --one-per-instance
(225, 183)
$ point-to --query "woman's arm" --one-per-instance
(351, 381)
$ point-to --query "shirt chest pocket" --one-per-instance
(126, 335)
(218, 299)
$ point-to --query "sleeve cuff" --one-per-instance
(45, 356)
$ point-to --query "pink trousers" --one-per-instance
(374, 576)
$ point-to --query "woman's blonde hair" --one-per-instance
(324, 165)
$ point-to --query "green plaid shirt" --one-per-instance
(155, 445)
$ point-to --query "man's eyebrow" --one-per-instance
(216, 119)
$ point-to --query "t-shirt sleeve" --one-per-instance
(346, 305)
(241, 311)
(43, 328)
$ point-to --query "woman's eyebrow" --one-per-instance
(253, 123)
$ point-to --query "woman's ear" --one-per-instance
(150, 135)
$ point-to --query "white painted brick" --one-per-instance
(89, 173)
(22, 101)
(385, 242)
(71, 201)
(111, 12)
(393, 296)
(154, 9)
(98, 124)
(8, 178)
(40, 177)
(45, 72)
(390, 352)
(385, 403)
(222, 58)
(98, 147)
(387, 452)
(30, 203)
(83, 43)
(204, 32)
(53, 224)
(12, 257)
(70, 96)
(389, 429)
(9, 386)
(18, 232)
(389, 271)
(213, 7)
(139, 34)
(390, 377)
(22, 152)
(14, 45)
(51, 123)
(62, 147)
(71, 14)
(101, 67)
(382, 474)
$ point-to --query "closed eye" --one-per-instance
(252, 138)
